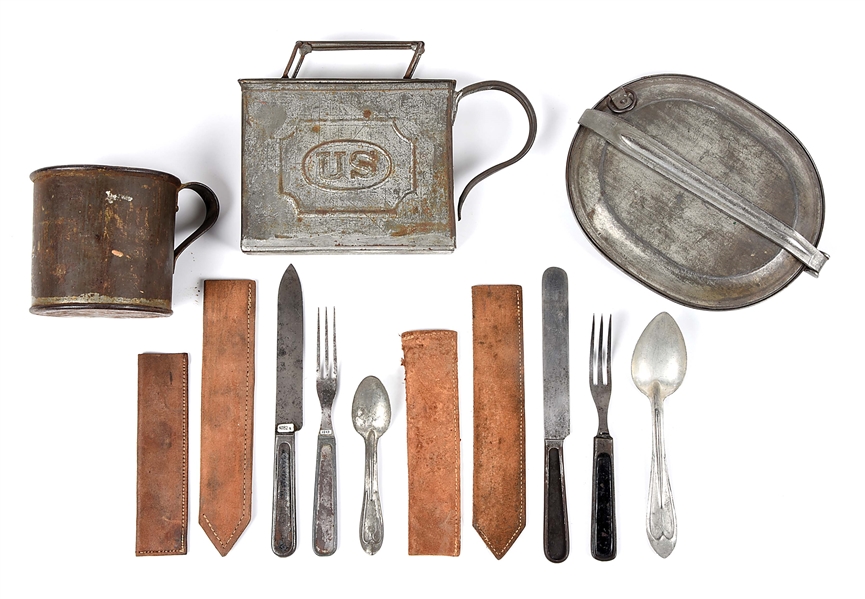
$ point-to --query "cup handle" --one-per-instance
(533, 129)
(211, 206)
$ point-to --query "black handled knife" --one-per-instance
(557, 411)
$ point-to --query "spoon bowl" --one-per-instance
(370, 411)
(371, 408)
(660, 357)
(658, 368)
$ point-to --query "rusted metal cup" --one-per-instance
(103, 240)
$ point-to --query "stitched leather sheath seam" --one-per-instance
(245, 426)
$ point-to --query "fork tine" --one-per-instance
(592, 354)
(318, 343)
(600, 360)
(326, 346)
(335, 365)
(609, 347)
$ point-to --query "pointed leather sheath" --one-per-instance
(499, 493)
(227, 387)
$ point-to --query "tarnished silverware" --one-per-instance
(658, 367)
(289, 411)
(557, 411)
(603, 480)
(370, 413)
(324, 537)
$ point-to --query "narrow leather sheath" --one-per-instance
(162, 514)
(499, 494)
(433, 431)
(227, 385)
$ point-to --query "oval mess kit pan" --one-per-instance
(695, 192)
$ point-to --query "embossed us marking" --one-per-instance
(333, 166)
(346, 164)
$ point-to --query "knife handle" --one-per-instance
(324, 504)
(284, 531)
(556, 542)
(603, 500)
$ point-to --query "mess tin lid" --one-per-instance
(695, 192)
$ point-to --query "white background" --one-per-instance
(764, 438)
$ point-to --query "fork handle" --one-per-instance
(556, 541)
(284, 531)
(603, 500)
(324, 537)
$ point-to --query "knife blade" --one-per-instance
(289, 410)
(557, 414)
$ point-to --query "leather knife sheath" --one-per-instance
(433, 436)
(227, 392)
(162, 488)
(499, 493)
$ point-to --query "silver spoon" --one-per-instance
(371, 416)
(658, 367)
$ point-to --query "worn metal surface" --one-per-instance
(658, 368)
(603, 535)
(370, 414)
(641, 147)
(324, 510)
(301, 49)
(703, 221)
(289, 411)
(356, 165)
(557, 410)
(103, 240)
(556, 354)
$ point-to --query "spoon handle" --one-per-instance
(661, 514)
(371, 521)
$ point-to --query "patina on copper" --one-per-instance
(103, 240)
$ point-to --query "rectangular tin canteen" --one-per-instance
(353, 165)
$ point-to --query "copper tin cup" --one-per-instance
(103, 240)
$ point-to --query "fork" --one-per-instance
(603, 485)
(324, 504)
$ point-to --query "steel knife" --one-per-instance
(557, 413)
(289, 410)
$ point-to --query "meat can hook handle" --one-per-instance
(301, 49)
(533, 129)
